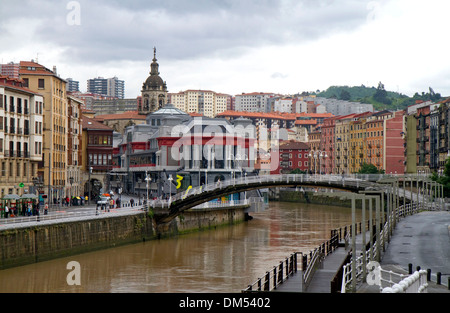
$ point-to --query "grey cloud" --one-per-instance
(118, 30)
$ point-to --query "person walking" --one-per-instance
(6, 211)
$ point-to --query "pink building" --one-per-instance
(326, 163)
(394, 149)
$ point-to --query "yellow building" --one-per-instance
(342, 140)
(358, 141)
(53, 89)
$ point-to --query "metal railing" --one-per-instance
(280, 273)
(66, 216)
(368, 254)
(276, 276)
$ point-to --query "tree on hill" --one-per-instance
(381, 95)
(345, 95)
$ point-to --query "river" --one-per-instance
(225, 259)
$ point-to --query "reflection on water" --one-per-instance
(226, 259)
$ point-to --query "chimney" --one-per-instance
(54, 69)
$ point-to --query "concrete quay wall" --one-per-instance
(25, 245)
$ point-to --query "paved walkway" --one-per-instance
(422, 239)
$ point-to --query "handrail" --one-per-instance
(42, 218)
(415, 283)
(308, 268)
(276, 276)
(402, 211)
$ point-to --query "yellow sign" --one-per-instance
(179, 179)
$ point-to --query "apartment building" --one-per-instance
(10, 69)
(342, 144)
(74, 186)
(253, 102)
(21, 137)
(96, 160)
(205, 102)
(292, 155)
(110, 87)
(46, 82)
(427, 146)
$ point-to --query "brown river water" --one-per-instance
(226, 259)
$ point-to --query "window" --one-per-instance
(41, 84)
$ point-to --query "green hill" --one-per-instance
(380, 98)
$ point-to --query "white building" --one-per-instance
(253, 102)
(21, 136)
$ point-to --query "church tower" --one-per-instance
(154, 90)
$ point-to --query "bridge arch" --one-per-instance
(195, 196)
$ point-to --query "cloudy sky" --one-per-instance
(235, 46)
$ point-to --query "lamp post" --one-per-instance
(89, 185)
(318, 154)
(170, 187)
(71, 191)
(147, 180)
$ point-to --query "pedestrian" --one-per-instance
(131, 202)
(111, 203)
(46, 209)
(6, 211)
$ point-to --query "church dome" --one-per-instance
(154, 81)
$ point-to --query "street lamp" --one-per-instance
(147, 180)
(71, 191)
(170, 187)
(89, 185)
(317, 154)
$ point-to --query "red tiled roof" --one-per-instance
(193, 114)
(14, 83)
(293, 145)
(39, 69)
(92, 124)
(121, 116)
(306, 122)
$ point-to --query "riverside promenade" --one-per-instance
(422, 239)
